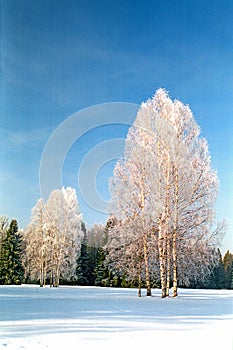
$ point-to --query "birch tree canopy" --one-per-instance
(53, 237)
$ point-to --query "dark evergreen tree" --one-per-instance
(93, 260)
(104, 276)
(101, 272)
(232, 275)
(222, 273)
(217, 278)
(84, 270)
(11, 269)
(228, 262)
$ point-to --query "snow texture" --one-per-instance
(110, 318)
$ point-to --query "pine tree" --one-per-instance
(232, 275)
(101, 271)
(228, 262)
(84, 271)
(11, 269)
(217, 278)
(103, 276)
(94, 240)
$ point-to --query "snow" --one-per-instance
(109, 318)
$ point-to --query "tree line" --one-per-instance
(92, 267)
(162, 229)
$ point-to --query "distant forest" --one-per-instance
(92, 264)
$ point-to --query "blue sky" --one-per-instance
(58, 57)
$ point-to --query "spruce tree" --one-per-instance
(227, 262)
(11, 269)
(232, 275)
(84, 271)
(104, 276)
(101, 272)
(92, 261)
(217, 278)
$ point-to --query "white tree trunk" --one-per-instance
(162, 258)
(174, 235)
(148, 285)
(168, 248)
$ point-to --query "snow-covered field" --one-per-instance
(109, 318)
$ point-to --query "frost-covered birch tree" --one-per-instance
(53, 238)
(167, 183)
(192, 184)
(130, 193)
(36, 246)
(63, 224)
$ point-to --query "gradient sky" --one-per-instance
(58, 57)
